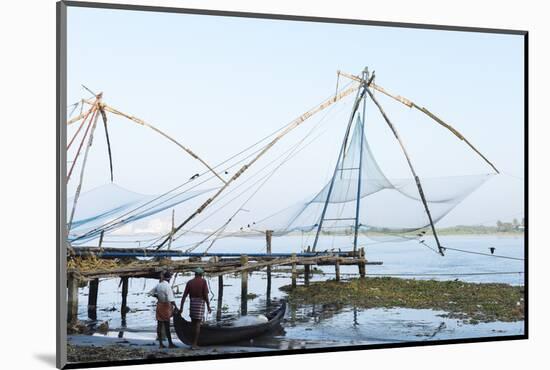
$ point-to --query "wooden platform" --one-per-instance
(128, 265)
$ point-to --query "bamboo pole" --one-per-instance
(424, 110)
(79, 187)
(339, 162)
(90, 124)
(85, 118)
(220, 298)
(294, 274)
(361, 264)
(416, 178)
(72, 300)
(297, 122)
(268, 236)
(81, 115)
(172, 230)
(124, 304)
(92, 298)
(100, 246)
(143, 123)
(244, 286)
(104, 118)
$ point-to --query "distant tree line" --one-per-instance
(511, 226)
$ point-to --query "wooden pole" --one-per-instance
(124, 305)
(294, 271)
(101, 241)
(79, 187)
(416, 178)
(359, 175)
(104, 118)
(244, 286)
(358, 98)
(172, 230)
(220, 298)
(424, 110)
(92, 299)
(361, 264)
(307, 270)
(306, 274)
(291, 126)
(268, 236)
(337, 269)
(143, 123)
(72, 299)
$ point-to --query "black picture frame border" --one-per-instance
(61, 169)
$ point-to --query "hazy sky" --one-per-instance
(218, 84)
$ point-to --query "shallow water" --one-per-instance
(309, 326)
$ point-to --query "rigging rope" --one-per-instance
(485, 254)
(291, 152)
(112, 223)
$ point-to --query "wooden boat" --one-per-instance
(212, 334)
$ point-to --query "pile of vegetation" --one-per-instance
(470, 302)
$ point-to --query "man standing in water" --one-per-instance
(197, 290)
(166, 306)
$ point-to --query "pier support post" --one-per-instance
(361, 264)
(124, 305)
(220, 298)
(294, 271)
(268, 236)
(244, 286)
(92, 299)
(307, 269)
(72, 299)
(337, 268)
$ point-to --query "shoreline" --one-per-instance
(469, 302)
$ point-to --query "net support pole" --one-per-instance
(416, 178)
(359, 96)
(411, 104)
(84, 161)
(295, 123)
(358, 200)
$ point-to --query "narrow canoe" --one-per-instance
(212, 334)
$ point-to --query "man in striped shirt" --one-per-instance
(197, 290)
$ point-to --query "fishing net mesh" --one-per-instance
(110, 207)
(388, 206)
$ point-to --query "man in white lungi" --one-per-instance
(166, 307)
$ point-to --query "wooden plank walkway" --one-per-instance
(213, 264)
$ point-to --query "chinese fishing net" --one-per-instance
(389, 208)
(110, 207)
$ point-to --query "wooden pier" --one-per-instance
(213, 264)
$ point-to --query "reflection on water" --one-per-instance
(307, 326)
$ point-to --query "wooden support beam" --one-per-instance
(92, 298)
(307, 270)
(268, 237)
(124, 305)
(244, 286)
(220, 298)
(337, 269)
(362, 268)
(149, 269)
(72, 299)
(294, 271)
